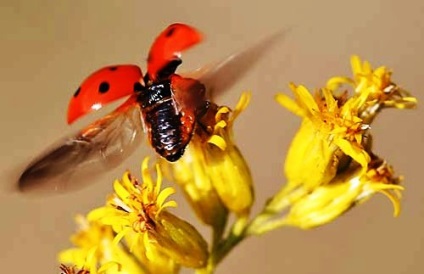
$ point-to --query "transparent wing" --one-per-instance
(73, 161)
(221, 76)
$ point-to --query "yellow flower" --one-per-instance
(228, 169)
(328, 164)
(140, 208)
(329, 201)
(192, 175)
(95, 252)
(382, 91)
(330, 130)
(212, 171)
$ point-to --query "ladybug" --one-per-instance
(162, 105)
(168, 102)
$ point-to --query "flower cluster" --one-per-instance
(330, 167)
(215, 179)
(136, 232)
(95, 252)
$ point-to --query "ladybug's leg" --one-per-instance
(205, 119)
(188, 93)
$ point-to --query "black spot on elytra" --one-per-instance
(113, 68)
(170, 32)
(104, 87)
(77, 92)
(138, 87)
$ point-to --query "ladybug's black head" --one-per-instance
(166, 71)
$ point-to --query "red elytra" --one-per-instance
(103, 86)
(115, 82)
(168, 45)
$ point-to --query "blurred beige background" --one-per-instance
(49, 47)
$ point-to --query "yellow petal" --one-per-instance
(241, 104)
(329, 100)
(357, 153)
(163, 195)
(355, 62)
(120, 235)
(147, 178)
(305, 99)
(158, 182)
(99, 213)
(169, 204)
(290, 104)
(335, 82)
(120, 190)
(395, 202)
(218, 141)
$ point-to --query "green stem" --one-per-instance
(217, 234)
(240, 230)
(209, 269)
(265, 227)
(263, 222)
(230, 242)
(283, 199)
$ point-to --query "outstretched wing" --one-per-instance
(97, 148)
(220, 76)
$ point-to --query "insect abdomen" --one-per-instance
(163, 121)
(166, 135)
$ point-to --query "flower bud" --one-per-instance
(191, 173)
(180, 240)
(212, 171)
(137, 212)
(326, 203)
(330, 131)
